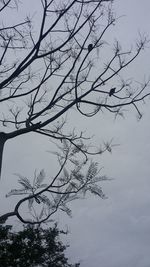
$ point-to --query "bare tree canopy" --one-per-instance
(55, 60)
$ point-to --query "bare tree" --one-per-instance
(52, 62)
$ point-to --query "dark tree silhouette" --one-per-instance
(46, 70)
(32, 246)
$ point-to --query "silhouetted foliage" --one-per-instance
(32, 246)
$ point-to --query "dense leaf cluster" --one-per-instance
(31, 247)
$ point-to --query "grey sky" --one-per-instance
(115, 232)
(112, 232)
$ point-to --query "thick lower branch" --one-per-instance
(3, 138)
(4, 217)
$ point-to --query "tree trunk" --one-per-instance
(3, 138)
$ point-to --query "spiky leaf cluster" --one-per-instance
(75, 177)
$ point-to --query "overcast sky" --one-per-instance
(116, 232)
(113, 232)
